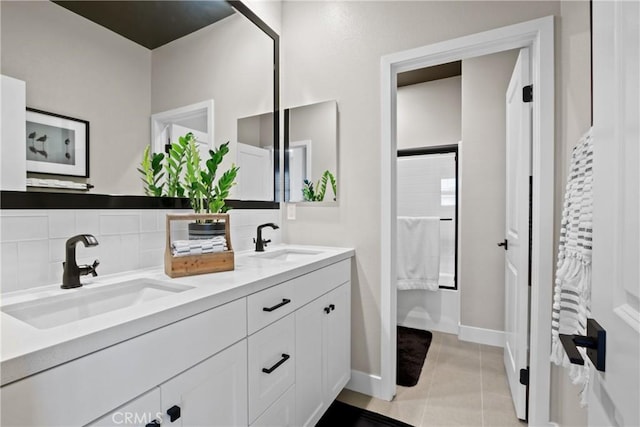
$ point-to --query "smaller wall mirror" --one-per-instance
(311, 153)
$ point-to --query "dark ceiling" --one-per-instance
(151, 23)
(428, 74)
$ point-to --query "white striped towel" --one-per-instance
(418, 264)
(198, 247)
(572, 293)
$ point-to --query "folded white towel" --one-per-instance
(198, 247)
(418, 253)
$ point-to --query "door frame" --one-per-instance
(538, 35)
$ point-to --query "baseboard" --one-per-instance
(448, 326)
(481, 335)
(364, 383)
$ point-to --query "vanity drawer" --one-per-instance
(271, 364)
(269, 305)
(319, 282)
(281, 413)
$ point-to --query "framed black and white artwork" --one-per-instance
(56, 144)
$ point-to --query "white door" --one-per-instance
(614, 395)
(517, 232)
(254, 177)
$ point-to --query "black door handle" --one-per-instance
(595, 342)
(285, 357)
(505, 243)
(285, 301)
(174, 413)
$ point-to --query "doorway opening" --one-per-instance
(538, 36)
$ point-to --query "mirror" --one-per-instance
(78, 68)
(311, 147)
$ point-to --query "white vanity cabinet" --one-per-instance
(276, 357)
(323, 349)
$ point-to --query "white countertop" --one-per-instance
(26, 350)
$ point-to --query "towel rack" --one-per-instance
(446, 219)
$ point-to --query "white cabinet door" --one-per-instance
(337, 345)
(212, 393)
(323, 351)
(310, 401)
(141, 411)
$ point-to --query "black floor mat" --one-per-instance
(342, 415)
(412, 346)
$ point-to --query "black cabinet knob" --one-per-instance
(327, 310)
(174, 413)
(332, 307)
(154, 423)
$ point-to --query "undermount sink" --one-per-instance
(49, 312)
(288, 254)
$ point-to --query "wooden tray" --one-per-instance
(198, 264)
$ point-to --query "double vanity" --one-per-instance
(267, 344)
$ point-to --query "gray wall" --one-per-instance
(236, 73)
(79, 69)
(574, 118)
(482, 189)
(332, 50)
(430, 113)
(317, 122)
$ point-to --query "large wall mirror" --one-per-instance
(311, 153)
(118, 64)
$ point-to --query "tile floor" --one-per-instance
(461, 384)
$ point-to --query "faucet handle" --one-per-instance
(93, 267)
(264, 242)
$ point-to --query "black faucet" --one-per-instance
(260, 243)
(72, 271)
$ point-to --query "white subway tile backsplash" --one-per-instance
(88, 222)
(129, 252)
(33, 268)
(9, 268)
(57, 250)
(112, 224)
(16, 229)
(62, 223)
(33, 241)
(148, 221)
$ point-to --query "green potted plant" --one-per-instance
(311, 194)
(186, 175)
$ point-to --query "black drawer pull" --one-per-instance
(174, 413)
(285, 301)
(285, 357)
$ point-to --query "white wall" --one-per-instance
(77, 68)
(32, 241)
(332, 50)
(430, 113)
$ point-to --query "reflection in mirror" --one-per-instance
(255, 157)
(311, 144)
(78, 68)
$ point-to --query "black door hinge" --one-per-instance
(167, 148)
(527, 93)
(524, 376)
